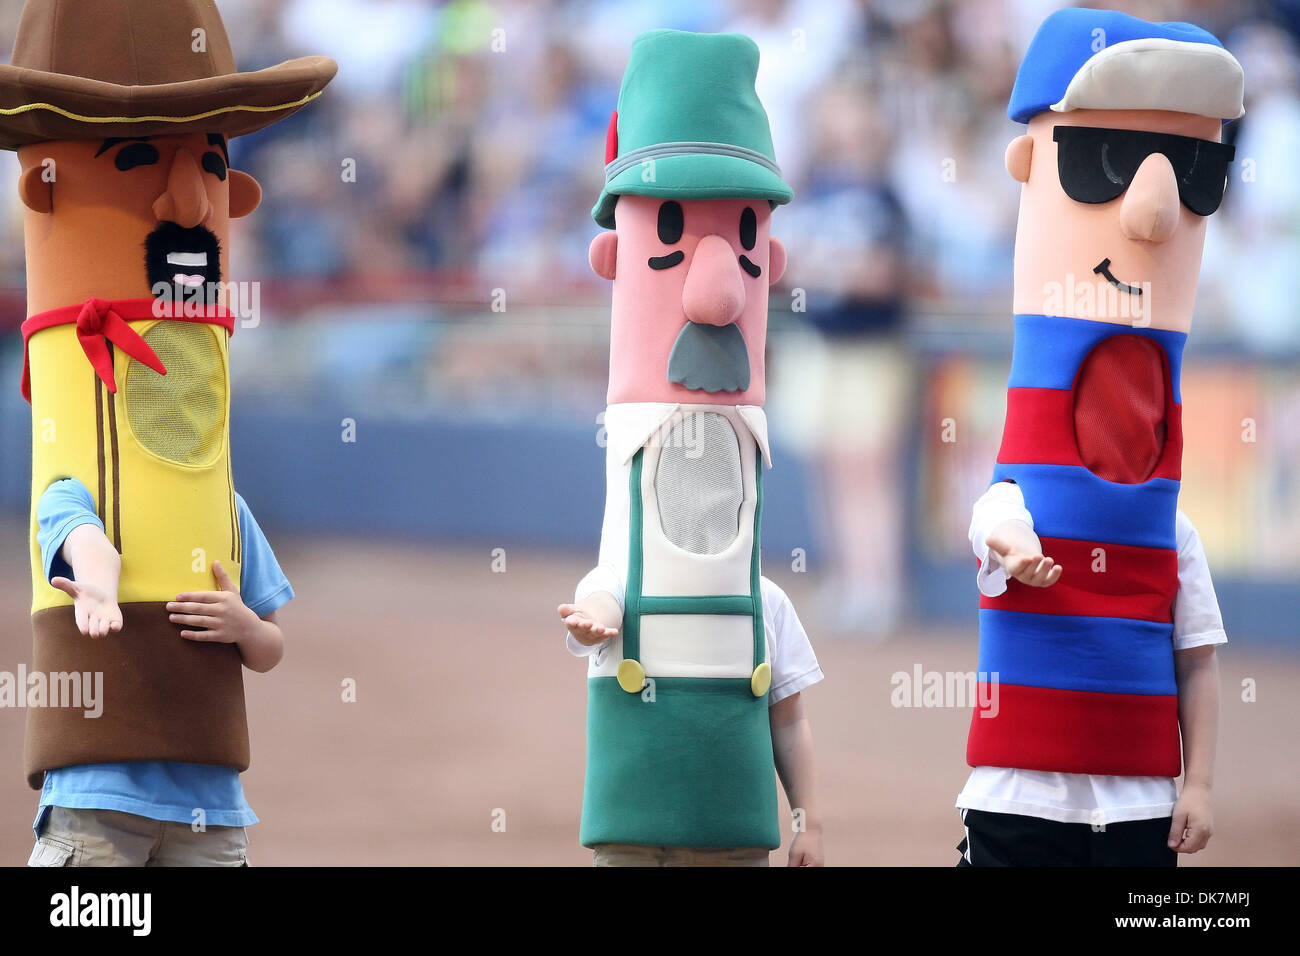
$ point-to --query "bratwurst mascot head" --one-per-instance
(679, 746)
(120, 111)
(1122, 164)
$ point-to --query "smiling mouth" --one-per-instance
(1103, 269)
(188, 260)
(180, 262)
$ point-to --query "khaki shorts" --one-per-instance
(113, 838)
(631, 854)
(846, 394)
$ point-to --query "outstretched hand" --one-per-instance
(95, 609)
(585, 630)
(1021, 553)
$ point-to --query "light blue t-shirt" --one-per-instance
(158, 790)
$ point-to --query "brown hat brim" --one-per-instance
(37, 106)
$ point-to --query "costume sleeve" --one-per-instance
(63, 506)
(1004, 501)
(794, 665)
(1197, 619)
(262, 585)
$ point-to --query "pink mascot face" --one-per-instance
(691, 283)
(1109, 229)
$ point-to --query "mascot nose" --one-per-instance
(186, 201)
(1150, 206)
(713, 293)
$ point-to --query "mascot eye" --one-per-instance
(214, 164)
(136, 154)
(671, 222)
(748, 228)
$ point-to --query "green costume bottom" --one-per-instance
(691, 767)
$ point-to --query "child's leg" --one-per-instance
(1135, 843)
(686, 856)
(1011, 839)
(215, 846)
(628, 854)
(72, 837)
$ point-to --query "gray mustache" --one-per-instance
(710, 358)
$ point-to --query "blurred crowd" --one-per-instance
(476, 131)
(460, 150)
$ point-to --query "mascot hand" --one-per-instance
(96, 610)
(581, 621)
(1021, 553)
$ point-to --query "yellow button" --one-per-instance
(631, 675)
(761, 680)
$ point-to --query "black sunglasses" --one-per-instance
(1096, 165)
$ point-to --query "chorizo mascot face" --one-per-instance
(121, 111)
(128, 218)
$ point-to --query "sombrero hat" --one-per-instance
(92, 69)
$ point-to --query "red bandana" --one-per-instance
(100, 322)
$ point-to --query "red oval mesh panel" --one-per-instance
(1120, 401)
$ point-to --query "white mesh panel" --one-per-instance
(698, 484)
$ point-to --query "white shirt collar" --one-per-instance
(629, 426)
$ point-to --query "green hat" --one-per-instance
(689, 124)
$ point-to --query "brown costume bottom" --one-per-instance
(164, 697)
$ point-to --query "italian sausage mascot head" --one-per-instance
(690, 184)
(1122, 164)
(121, 111)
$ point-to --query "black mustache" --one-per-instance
(170, 237)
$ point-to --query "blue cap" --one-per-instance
(1103, 59)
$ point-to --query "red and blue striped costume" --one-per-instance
(1085, 668)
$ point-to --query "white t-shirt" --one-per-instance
(1096, 799)
(794, 665)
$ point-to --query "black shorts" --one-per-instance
(1011, 839)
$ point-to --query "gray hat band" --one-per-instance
(665, 150)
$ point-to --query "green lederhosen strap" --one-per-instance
(637, 604)
(688, 761)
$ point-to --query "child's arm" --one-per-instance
(1002, 536)
(594, 619)
(792, 749)
(1197, 671)
(225, 619)
(96, 568)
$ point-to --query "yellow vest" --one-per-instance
(155, 455)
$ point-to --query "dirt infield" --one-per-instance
(469, 713)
